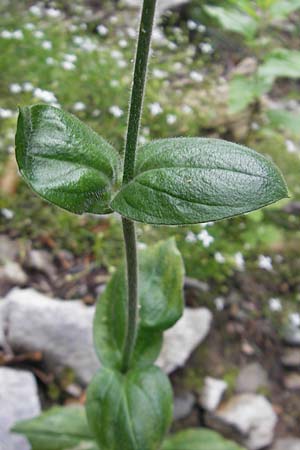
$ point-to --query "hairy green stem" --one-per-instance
(134, 119)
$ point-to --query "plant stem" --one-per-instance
(134, 119)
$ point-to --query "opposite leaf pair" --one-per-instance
(133, 410)
(177, 181)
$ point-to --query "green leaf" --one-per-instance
(64, 161)
(245, 90)
(280, 9)
(285, 120)
(280, 63)
(233, 20)
(129, 411)
(191, 180)
(161, 283)
(198, 439)
(60, 428)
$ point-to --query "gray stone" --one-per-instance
(12, 273)
(292, 381)
(287, 444)
(42, 261)
(183, 405)
(212, 393)
(8, 249)
(251, 378)
(61, 330)
(291, 357)
(292, 335)
(181, 340)
(18, 401)
(249, 418)
(2, 323)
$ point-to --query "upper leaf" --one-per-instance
(64, 161)
(60, 428)
(129, 411)
(191, 180)
(198, 439)
(281, 62)
(160, 290)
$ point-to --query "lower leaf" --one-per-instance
(129, 411)
(199, 439)
(60, 428)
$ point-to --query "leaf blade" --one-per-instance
(131, 411)
(199, 439)
(64, 161)
(191, 180)
(60, 428)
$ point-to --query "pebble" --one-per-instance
(251, 378)
(291, 357)
(212, 393)
(18, 401)
(289, 443)
(183, 405)
(249, 418)
(292, 381)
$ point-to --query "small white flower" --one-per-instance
(196, 76)
(53, 12)
(191, 237)
(142, 140)
(79, 106)
(5, 34)
(67, 65)
(96, 113)
(219, 258)
(15, 88)
(265, 262)
(50, 61)
(171, 119)
(35, 10)
(70, 57)
(116, 111)
(206, 224)
(186, 109)
(116, 54)
(7, 213)
(141, 245)
(123, 43)
(17, 34)
(29, 26)
(275, 304)
(131, 33)
(192, 25)
(219, 303)
(27, 86)
(121, 63)
(239, 261)
(114, 83)
(255, 126)
(155, 108)
(205, 238)
(294, 318)
(6, 113)
(201, 28)
(102, 30)
(44, 95)
(47, 45)
(205, 47)
(290, 146)
(38, 34)
(157, 73)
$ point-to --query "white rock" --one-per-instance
(250, 378)
(212, 393)
(13, 273)
(18, 401)
(2, 323)
(61, 330)
(287, 444)
(183, 405)
(183, 338)
(249, 415)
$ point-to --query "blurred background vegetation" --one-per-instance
(218, 69)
